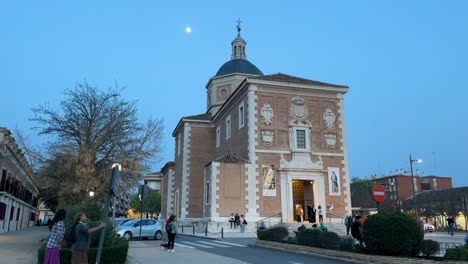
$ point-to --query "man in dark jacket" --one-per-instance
(356, 229)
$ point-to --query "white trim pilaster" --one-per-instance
(185, 172)
(344, 149)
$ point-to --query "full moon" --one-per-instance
(188, 29)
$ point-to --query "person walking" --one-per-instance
(243, 222)
(451, 225)
(52, 254)
(231, 220)
(356, 229)
(348, 223)
(314, 213)
(171, 230)
(299, 213)
(309, 212)
(236, 220)
(82, 232)
(320, 212)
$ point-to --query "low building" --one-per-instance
(18, 191)
(400, 186)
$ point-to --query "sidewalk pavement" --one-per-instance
(188, 231)
(20, 247)
(150, 251)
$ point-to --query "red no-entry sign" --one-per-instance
(378, 193)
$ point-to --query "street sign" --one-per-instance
(378, 193)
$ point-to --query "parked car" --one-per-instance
(149, 228)
(428, 228)
(120, 221)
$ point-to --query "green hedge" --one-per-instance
(309, 237)
(429, 247)
(113, 254)
(458, 253)
(330, 240)
(393, 234)
(278, 234)
(263, 234)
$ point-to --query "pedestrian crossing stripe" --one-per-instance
(230, 244)
(196, 245)
(182, 245)
(213, 244)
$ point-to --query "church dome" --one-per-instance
(238, 62)
(238, 66)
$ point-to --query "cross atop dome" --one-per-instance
(238, 44)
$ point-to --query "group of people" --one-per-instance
(355, 226)
(81, 238)
(311, 213)
(238, 220)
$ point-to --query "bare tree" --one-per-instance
(92, 130)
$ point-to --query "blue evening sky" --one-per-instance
(406, 63)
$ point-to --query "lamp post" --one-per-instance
(414, 185)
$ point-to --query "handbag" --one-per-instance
(245, 222)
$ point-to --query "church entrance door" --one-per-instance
(303, 195)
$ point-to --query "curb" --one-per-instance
(310, 254)
(348, 257)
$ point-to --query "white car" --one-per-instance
(149, 228)
(428, 228)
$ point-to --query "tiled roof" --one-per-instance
(206, 116)
(230, 158)
(280, 77)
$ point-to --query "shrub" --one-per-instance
(278, 233)
(291, 240)
(458, 253)
(263, 234)
(329, 240)
(429, 247)
(347, 244)
(309, 237)
(393, 234)
(115, 253)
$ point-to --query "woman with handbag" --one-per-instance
(52, 255)
(243, 223)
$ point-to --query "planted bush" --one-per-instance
(329, 240)
(429, 247)
(458, 253)
(113, 254)
(263, 234)
(393, 234)
(278, 233)
(347, 244)
(309, 237)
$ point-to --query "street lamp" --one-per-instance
(414, 184)
(91, 193)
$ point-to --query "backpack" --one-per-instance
(169, 227)
(72, 235)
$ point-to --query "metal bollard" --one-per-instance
(222, 232)
(206, 231)
(193, 229)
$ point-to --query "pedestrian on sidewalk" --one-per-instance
(82, 231)
(243, 223)
(232, 219)
(52, 254)
(236, 220)
(171, 230)
(348, 223)
(320, 212)
(356, 229)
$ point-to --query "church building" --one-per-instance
(266, 145)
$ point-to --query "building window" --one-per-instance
(241, 115)
(218, 136)
(178, 145)
(301, 139)
(228, 127)
(207, 193)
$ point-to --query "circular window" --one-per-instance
(223, 93)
